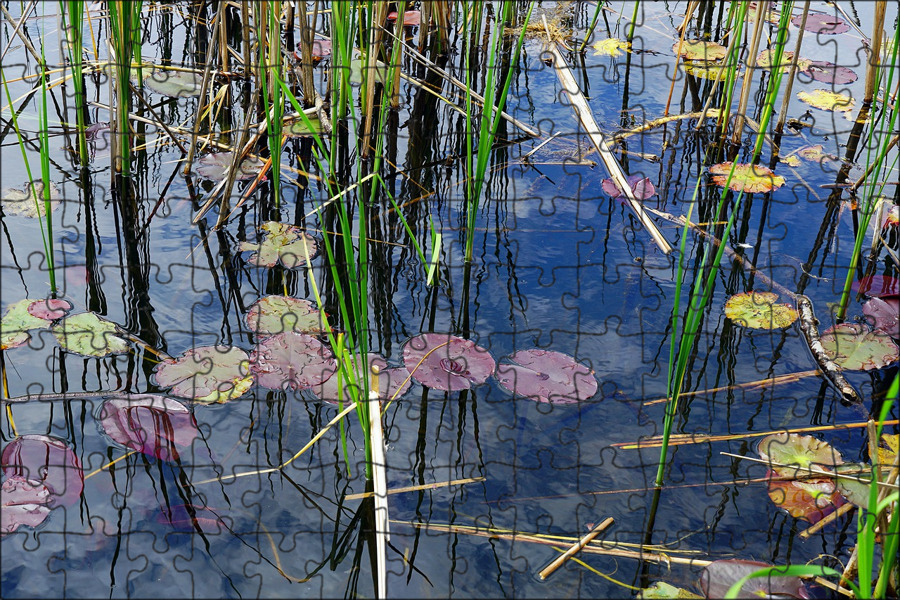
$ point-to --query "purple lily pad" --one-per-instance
(827, 72)
(824, 24)
(151, 424)
(389, 381)
(884, 315)
(720, 575)
(291, 359)
(206, 373)
(24, 503)
(46, 460)
(877, 286)
(642, 187)
(445, 362)
(547, 376)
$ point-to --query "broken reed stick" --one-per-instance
(751, 385)
(691, 438)
(585, 116)
(415, 488)
(575, 548)
(828, 520)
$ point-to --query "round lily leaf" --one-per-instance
(720, 575)
(46, 460)
(824, 24)
(283, 243)
(24, 503)
(275, 314)
(411, 18)
(827, 100)
(800, 451)
(178, 84)
(389, 381)
(641, 187)
(20, 201)
(357, 66)
(445, 362)
(660, 590)
(759, 311)
(748, 178)
(884, 315)
(151, 424)
(854, 347)
(216, 166)
(611, 47)
(296, 360)
(764, 60)
(89, 334)
(816, 153)
(705, 70)
(207, 374)
(855, 491)
(877, 286)
(810, 499)
(298, 128)
(700, 50)
(27, 314)
(827, 72)
(547, 376)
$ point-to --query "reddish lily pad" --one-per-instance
(216, 166)
(275, 314)
(884, 315)
(28, 314)
(748, 178)
(283, 243)
(758, 310)
(700, 50)
(827, 100)
(809, 499)
(720, 575)
(824, 24)
(24, 503)
(178, 84)
(547, 376)
(152, 424)
(389, 381)
(207, 374)
(445, 362)
(411, 18)
(296, 360)
(20, 201)
(642, 187)
(877, 286)
(89, 334)
(827, 72)
(854, 347)
(797, 451)
(46, 460)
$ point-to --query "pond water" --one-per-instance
(558, 264)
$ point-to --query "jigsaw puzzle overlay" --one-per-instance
(287, 312)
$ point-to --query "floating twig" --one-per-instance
(575, 548)
(415, 488)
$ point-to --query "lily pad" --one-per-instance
(642, 187)
(700, 50)
(826, 72)
(178, 84)
(660, 590)
(791, 160)
(411, 18)
(764, 60)
(810, 499)
(298, 128)
(207, 374)
(89, 334)
(854, 347)
(748, 178)
(216, 166)
(611, 47)
(720, 575)
(816, 153)
(28, 314)
(24, 503)
(798, 451)
(547, 376)
(356, 71)
(389, 381)
(884, 315)
(855, 491)
(20, 201)
(705, 70)
(887, 451)
(827, 100)
(46, 460)
(758, 310)
(877, 286)
(296, 360)
(274, 314)
(824, 24)
(152, 424)
(445, 362)
(283, 243)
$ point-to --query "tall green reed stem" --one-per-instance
(124, 24)
(268, 35)
(73, 19)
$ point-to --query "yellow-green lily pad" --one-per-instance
(747, 178)
(758, 310)
(853, 346)
(827, 100)
(705, 69)
(611, 47)
(89, 335)
(700, 50)
(207, 374)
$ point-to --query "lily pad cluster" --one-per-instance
(28, 315)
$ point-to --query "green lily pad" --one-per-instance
(20, 201)
(283, 243)
(700, 50)
(298, 128)
(764, 60)
(89, 334)
(758, 310)
(748, 178)
(827, 100)
(216, 166)
(179, 84)
(705, 69)
(660, 590)
(28, 314)
(356, 72)
(854, 347)
(611, 47)
(799, 451)
(275, 314)
(855, 491)
(207, 374)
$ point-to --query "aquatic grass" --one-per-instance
(788, 571)
(72, 12)
(125, 36)
(271, 65)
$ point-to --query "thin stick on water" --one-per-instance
(577, 547)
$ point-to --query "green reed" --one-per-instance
(73, 21)
(125, 39)
(271, 65)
